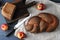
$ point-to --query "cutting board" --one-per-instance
(19, 12)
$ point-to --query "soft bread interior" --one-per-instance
(8, 10)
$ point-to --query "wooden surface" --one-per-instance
(19, 13)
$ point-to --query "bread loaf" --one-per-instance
(44, 22)
(8, 10)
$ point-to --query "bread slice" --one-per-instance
(8, 10)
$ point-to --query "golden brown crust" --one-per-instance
(34, 20)
(53, 25)
(46, 17)
(43, 25)
(29, 27)
(43, 22)
(8, 10)
(33, 24)
(35, 28)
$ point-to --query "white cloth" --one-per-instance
(51, 8)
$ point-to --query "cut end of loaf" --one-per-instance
(8, 10)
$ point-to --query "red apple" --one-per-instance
(4, 27)
(41, 6)
(21, 35)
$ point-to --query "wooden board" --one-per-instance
(19, 13)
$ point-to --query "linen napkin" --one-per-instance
(52, 8)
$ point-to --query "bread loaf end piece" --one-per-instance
(8, 10)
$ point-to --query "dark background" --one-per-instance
(57, 1)
(2, 20)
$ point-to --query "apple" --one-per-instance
(41, 6)
(20, 35)
(4, 27)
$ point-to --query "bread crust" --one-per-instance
(43, 22)
(8, 10)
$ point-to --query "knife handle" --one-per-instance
(31, 4)
(11, 32)
(28, 5)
